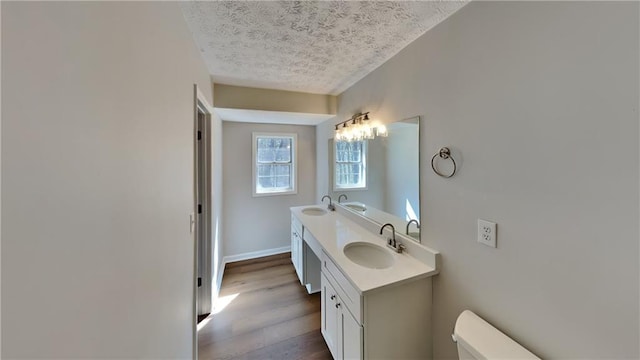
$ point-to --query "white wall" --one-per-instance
(0, 190)
(539, 103)
(97, 180)
(260, 224)
(324, 132)
(241, 97)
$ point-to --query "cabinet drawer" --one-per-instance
(349, 295)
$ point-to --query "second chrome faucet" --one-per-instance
(391, 242)
(412, 221)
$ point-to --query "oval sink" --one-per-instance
(356, 206)
(314, 211)
(368, 255)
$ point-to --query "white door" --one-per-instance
(351, 336)
(329, 310)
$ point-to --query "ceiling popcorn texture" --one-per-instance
(309, 46)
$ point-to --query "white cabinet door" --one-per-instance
(351, 339)
(329, 327)
(293, 246)
(296, 253)
(340, 329)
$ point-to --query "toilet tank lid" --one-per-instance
(484, 341)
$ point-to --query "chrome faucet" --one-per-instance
(330, 206)
(411, 221)
(391, 242)
(340, 197)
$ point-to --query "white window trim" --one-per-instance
(294, 163)
(365, 153)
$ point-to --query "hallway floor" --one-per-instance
(269, 315)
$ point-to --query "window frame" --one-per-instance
(365, 150)
(294, 163)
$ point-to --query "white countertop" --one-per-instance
(333, 231)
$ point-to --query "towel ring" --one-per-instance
(444, 153)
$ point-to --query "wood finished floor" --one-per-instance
(272, 316)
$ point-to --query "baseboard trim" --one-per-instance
(255, 254)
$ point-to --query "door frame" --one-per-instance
(201, 223)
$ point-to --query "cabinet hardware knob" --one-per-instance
(337, 305)
(333, 297)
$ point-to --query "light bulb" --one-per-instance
(367, 132)
(381, 130)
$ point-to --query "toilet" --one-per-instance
(477, 339)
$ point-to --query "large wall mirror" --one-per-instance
(380, 177)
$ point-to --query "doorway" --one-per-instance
(202, 208)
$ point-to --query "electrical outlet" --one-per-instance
(487, 234)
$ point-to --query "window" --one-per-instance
(274, 164)
(350, 165)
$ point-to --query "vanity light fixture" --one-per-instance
(356, 128)
(382, 131)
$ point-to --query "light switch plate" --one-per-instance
(487, 234)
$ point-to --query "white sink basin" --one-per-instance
(314, 211)
(356, 206)
(368, 255)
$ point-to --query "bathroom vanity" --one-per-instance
(376, 303)
(304, 260)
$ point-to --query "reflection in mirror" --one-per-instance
(380, 176)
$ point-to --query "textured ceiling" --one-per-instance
(310, 46)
